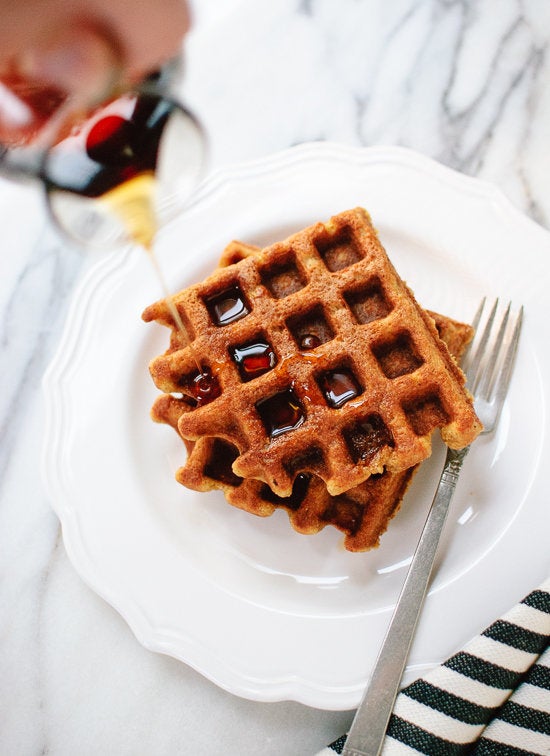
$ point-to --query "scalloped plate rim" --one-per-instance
(157, 638)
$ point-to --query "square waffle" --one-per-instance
(362, 513)
(355, 377)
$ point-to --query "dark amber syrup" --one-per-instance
(338, 387)
(254, 359)
(113, 158)
(118, 142)
(227, 306)
(309, 341)
(205, 387)
(281, 413)
(199, 388)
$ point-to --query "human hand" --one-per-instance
(75, 45)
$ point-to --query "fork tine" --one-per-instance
(490, 363)
(468, 356)
(503, 379)
(486, 381)
(479, 346)
(477, 316)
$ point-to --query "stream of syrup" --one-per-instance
(133, 203)
(112, 160)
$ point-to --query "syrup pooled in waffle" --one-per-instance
(362, 513)
(349, 374)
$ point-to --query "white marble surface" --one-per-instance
(463, 82)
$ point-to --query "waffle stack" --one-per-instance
(310, 379)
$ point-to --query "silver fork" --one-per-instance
(488, 367)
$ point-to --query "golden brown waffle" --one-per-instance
(456, 335)
(379, 361)
(361, 513)
(236, 251)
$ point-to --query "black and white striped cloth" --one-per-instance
(492, 698)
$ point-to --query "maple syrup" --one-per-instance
(118, 142)
(112, 160)
(199, 387)
(338, 387)
(309, 341)
(137, 219)
(205, 387)
(254, 359)
(133, 204)
(310, 329)
(281, 413)
(227, 306)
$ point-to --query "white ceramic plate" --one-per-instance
(264, 612)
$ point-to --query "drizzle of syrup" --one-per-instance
(205, 387)
(111, 157)
(281, 413)
(227, 306)
(309, 341)
(254, 359)
(338, 387)
(169, 299)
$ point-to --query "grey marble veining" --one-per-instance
(32, 318)
(464, 82)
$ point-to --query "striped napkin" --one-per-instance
(492, 698)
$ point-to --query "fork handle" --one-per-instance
(368, 730)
